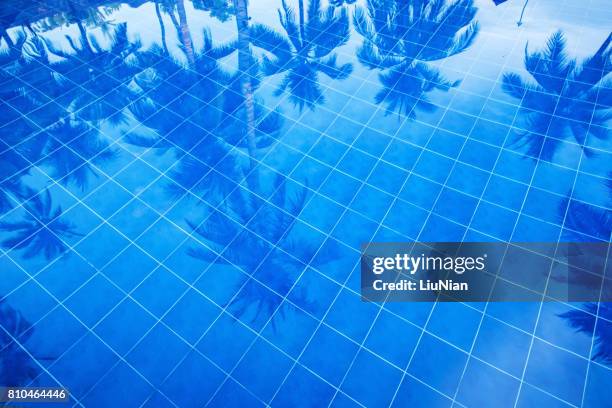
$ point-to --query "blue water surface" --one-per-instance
(185, 186)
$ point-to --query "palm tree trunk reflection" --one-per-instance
(7, 38)
(162, 28)
(185, 33)
(245, 62)
(301, 8)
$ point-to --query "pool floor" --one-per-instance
(185, 186)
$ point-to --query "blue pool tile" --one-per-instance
(416, 313)
(505, 192)
(290, 329)
(479, 154)
(156, 400)
(397, 352)
(598, 392)
(107, 199)
(443, 323)
(457, 122)
(191, 316)
(121, 380)
(420, 191)
(345, 259)
(385, 234)
(341, 400)
(553, 178)
(491, 132)
(456, 206)
(97, 256)
(591, 188)
(344, 129)
(499, 111)
(225, 341)
(61, 320)
(136, 176)
(483, 385)
(314, 292)
(363, 314)
(357, 164)
(357, 383)
(303, 389)
(441, 229)
(567, 384)
(522, 315)
(259, 355)
(559, 332)
(329, 354)
(354, 229)
(129, 268)
(321, 212)
(94, 359)
(433, 166)
(597, 167)
(134, 219)
(414, 393)
(124, 326)
(514, 166)
(387, 177)
(264, 273)
(502, 346)
(94, 300)
(475, 236)
(31, 294)
(158, 302)
(371, 202)
(372, 141)
(446, 143)
(531, 396)
(53, 277)
(438, 364)
(468, 179)
(311, 173)
(494, 220)
(154, 366)
(254, 315)
(173, 232)
(545, 206)
(405, 218)
(178, 388)
(402, 154)
(576, 227)
(340, 187)
(410, 129)
(529, 229)
(234, 395)
(328, 151)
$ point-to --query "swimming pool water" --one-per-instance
(185, 186)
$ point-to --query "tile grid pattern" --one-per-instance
(284, 298)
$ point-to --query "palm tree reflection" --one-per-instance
(17, 367)
(257, 236)
(401, 38)
(73, 148)
(586, 321)
(96, 78)
(202, 113)
(568, 99)
(41, 231)
(306, 50)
